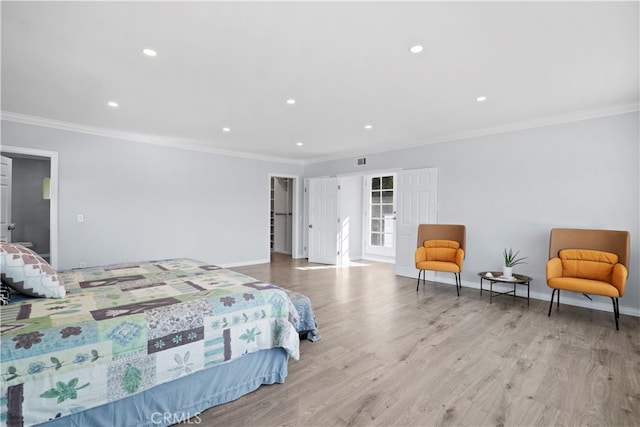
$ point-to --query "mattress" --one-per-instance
(123, 329)
(183, 400)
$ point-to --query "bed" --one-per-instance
(144, 344)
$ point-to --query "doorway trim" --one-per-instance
(371, 252)
(295, 209)
(53, 206)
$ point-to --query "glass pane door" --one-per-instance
(381, 215)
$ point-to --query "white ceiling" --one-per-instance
(347, 64)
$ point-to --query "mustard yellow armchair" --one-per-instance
(592, 262)
(440, 248)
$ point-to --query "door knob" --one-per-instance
(310, 225)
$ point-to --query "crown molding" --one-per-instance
(192, 145)
(612, 110)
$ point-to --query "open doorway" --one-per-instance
(283, 215)
(35, 216)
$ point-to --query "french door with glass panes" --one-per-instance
(380, 193)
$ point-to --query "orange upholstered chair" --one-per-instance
(589, 261)
(440, 248)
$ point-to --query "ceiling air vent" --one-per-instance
(361, 161)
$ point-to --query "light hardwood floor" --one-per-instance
(391, 356)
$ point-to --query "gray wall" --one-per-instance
(143, 201)
(510, 189)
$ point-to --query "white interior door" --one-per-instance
(380, 215)
(5, 199)
(351, 218)
(323, 221)
(417, 204)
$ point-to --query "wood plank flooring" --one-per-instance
(391, 356)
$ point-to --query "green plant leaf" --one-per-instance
(250, 335)
(64, 391)
(56, 362)
(50, 393)
(131, 379)
(511, 258)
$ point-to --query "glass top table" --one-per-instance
(497, 277)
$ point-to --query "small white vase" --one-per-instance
(507, 271)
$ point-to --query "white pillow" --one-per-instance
(5, 294)
(27, 273)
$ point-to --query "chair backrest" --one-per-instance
(454, 232)
(441, 250)
(614, 241)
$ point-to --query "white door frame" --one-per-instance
(7, 229)
(369, 252)
(53, 204)
(305, 220)
(295, 210)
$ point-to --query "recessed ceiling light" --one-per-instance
(112, 104)
(226, 129)
(291, 101)
(368, 127)
(481, 98)
(416, 49)
(299, 144)
(149, 52)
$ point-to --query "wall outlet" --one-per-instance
(80, 218)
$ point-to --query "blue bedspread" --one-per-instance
(307, 324)
(123, 329)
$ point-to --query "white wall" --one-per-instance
(511, 189)
(143, 201)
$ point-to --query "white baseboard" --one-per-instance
(378, 259)
(243, 263)
(565, 299)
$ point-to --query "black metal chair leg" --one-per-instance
(553, 294)
(616, 311)
(423, 273)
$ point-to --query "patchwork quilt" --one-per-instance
(122, 329)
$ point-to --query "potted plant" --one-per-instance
(510, 260)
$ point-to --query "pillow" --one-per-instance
(588, 264)
(27, 273)
(5, 295)
(441, 250)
